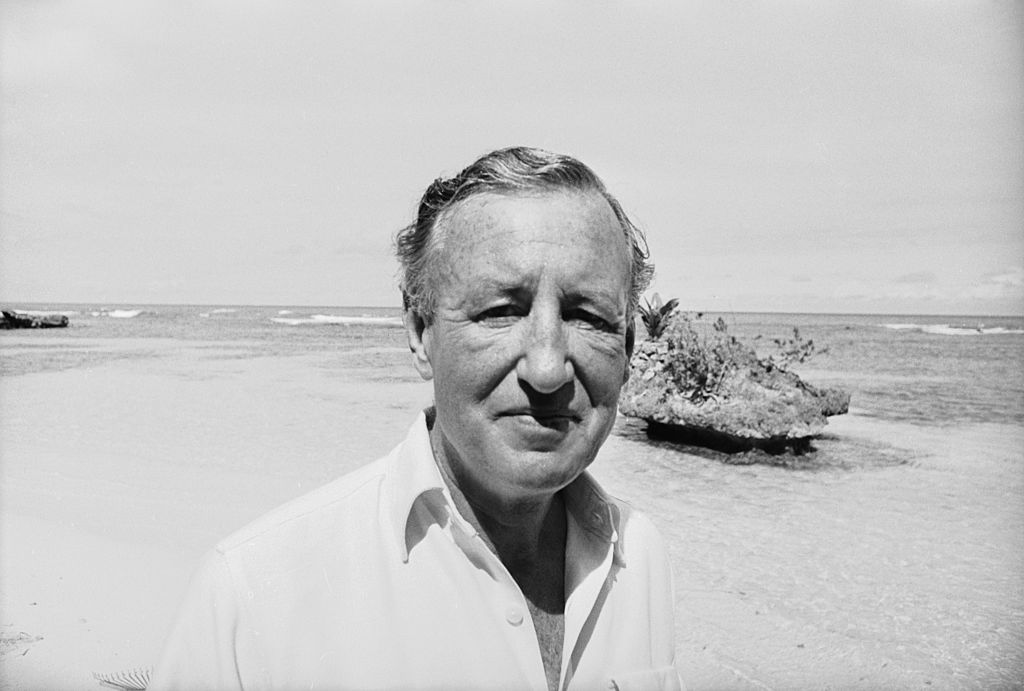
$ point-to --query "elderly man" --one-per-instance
(478, 553)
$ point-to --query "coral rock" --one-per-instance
(704, 386)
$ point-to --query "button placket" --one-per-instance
(472, 542)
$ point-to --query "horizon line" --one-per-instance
(129, 303)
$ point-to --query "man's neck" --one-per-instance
(515, 527)
(528, 536)
(518, 531)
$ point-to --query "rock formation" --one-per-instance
(22, 320)
(698, 384)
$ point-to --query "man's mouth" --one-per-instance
(558, 418)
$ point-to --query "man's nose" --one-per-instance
(545, 364)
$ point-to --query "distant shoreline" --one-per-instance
(114, 304)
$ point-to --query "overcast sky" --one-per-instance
(782, 156)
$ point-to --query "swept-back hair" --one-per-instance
(515, 169)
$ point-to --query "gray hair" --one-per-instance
(515, 169)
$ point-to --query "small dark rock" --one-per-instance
(23, 320)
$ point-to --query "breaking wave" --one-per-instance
(321, 319)
(219, 310)
(118, 314)
(954, 329)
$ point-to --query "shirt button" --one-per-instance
(514, 615)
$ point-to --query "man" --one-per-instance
(478, 553)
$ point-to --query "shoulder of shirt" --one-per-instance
(637, 532)
(347, 488)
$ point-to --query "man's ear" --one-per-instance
(630, 342)
(419, 342)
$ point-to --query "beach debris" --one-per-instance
(13, 319)
(697, 384)
(19, 642)
(128, 680)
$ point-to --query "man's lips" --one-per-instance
(543, 416)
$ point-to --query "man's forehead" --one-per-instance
(508, 243)
(552, 210)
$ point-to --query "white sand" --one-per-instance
(116, 478)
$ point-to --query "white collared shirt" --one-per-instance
(375, 581)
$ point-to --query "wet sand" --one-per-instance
(116, 478)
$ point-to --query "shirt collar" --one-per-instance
(595, 512)
(411, 472)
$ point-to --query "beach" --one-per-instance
(892, 557)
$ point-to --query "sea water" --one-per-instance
(925, 369)
(890, 556)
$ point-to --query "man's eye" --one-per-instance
(591, 319)
(500, 313)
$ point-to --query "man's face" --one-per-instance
(528, 347)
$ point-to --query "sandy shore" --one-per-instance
(115, 479)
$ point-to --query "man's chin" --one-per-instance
(542, 469)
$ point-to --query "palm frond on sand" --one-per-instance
(127, 680)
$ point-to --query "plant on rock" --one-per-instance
(654, 314)
(695, 377)
(793, 350)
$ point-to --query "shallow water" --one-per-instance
(892, 556)
(905, 559)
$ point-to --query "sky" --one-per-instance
(844, 157)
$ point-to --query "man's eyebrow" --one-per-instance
(598, 297)
(489, 287)
(492, 285)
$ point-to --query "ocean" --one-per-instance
(925, 369)
(892, 555)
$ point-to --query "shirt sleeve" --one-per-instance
(661, 591)
(201, 651)
(663, 627)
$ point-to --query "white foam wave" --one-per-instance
(285, 312)
(219, 310)
(954, 329)
(338, 319)
(116, 314)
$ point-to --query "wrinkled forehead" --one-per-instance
(509, 243)
(548, 214)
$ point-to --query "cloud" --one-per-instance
(1008, 283)
(895, 290)
(916, 277)
(1012, 277)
